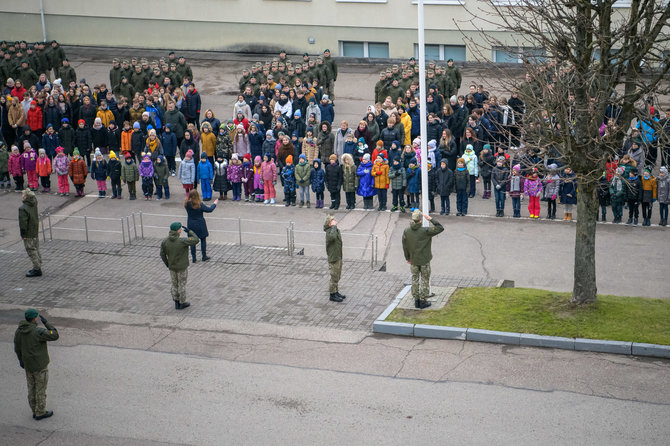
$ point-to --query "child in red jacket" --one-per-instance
(44, 170)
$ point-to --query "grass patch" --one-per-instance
(542, 312)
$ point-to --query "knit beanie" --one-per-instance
(517, 168)
(460, 160)
(112, 155)
(289, 159)
(366, 157)
(189, 153)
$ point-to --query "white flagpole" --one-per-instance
(422, 107)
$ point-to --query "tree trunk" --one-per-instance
(584, 289)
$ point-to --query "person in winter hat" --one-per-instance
(205, 173)
(633, 195)
(161, 174)
(146, 169)
(288, 177)
(462, 185)
(366, 182)
(15, 167)
(302, 177)
(568, 192)
(398, 180)
(114, 174)
(221, 184)
(349, 179)
(248, 178)
(317, 181)
(44, 170)
(604, 198)
(29, 165)
(78, 171)
(663, 194)
(649, 191)
(99, 173)
(499, 179)
(515, 189)
(617, 190)
(380, 173)
(234, 174)
(130, 174)
(532, 187)
(186, 172)
(334, 251)
(334, 178)
(472, 164)
(445, 183)
(552, 184)
(60, 167)
(269, 177)
(258, 180)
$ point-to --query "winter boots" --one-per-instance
(487, 194)
(421, 304)
(335, 297)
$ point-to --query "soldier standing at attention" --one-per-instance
(416, 244)
(174, 252)
(30, 345)
(29, 225)
(334, 251)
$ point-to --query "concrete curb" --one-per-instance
(509, 338)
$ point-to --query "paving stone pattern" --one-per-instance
(240, 282)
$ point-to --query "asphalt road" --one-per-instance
(150, 381)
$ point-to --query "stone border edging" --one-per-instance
(381, 325)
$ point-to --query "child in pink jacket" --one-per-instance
(269, 178)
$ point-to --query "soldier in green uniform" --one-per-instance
(454, 75)
(331, 73)
(29, 224)
(334, 251)
(174, 252)
(67, 73)
(115, 74)
(30, 345)
(416, 244)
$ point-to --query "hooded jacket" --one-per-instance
(186, 171)
(303, 174)
(30, 345)
(317, 177)
(349, 176)
(174, 250)
(365, 180)
(333, 243)
(29, 221)
(417, 241)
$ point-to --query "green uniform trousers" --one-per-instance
(32, 246)
(335, 269)
(421, 281)
(179, 285)
(37, 390)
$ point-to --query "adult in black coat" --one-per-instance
(195, 210)
(191, 106)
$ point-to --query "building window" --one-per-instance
(440, 2)
(365, 49)
(442, 52)
(516, 55)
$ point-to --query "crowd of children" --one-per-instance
(285, 134)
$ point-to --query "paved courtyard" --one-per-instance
(240, 283)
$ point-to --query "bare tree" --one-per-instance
(594, 76)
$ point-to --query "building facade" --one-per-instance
(350, 28)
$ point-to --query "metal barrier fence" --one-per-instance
(130, 223)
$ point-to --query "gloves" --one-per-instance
(553, 197)
(497, 186)
(185, 228)
(43, 319)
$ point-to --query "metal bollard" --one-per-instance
(134, 226)
(130, 237)
(292, 238)
(142, 225)
(288, 241)
(86, 227)
(44, 237)
(372, 251)
(123, 232)
(239, 228)
(51, 234)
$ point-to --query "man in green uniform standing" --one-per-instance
(331, 69)
(29, 224)
(334, 251)
(416, 244)
(30, 345)
(174, 252)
